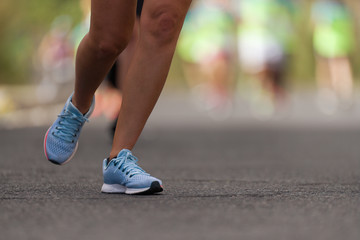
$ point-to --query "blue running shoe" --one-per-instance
(61, 139)
(123, 175)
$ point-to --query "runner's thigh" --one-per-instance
(112, 20)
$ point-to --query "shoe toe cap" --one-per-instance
(56, 151)
(140, 181)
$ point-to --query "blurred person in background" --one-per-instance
(333, 41)
(265, 39)
(54, 59)
(207, 49)
(111, 28)
(81, 29)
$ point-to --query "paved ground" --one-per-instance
(223, 180)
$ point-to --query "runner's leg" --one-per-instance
(160, 25)
(110, 31)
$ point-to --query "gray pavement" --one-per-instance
(222, 181)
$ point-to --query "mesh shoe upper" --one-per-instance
(61, 139)
(124, 170)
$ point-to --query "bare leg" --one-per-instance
(126, 56)
(160, 25)
(110, 30)
(341, 77)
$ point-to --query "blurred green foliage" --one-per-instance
(22, 25)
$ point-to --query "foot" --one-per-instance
(61, 139)
(123, 175)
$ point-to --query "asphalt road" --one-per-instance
(250, 181)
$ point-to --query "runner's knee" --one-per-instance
(163, 24)
(109, 46)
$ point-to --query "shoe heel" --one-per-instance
(113, 188)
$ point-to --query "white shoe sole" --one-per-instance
(118, 188)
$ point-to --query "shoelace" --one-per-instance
(70, 125)
(128, 164)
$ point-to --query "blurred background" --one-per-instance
(236, 60)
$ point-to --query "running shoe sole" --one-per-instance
(155, 187)
(53, 161)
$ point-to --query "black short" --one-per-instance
(139, 7)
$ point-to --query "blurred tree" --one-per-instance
(22, 25)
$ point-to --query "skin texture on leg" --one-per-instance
(124, 60)
(160, 25)
(110, 30)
